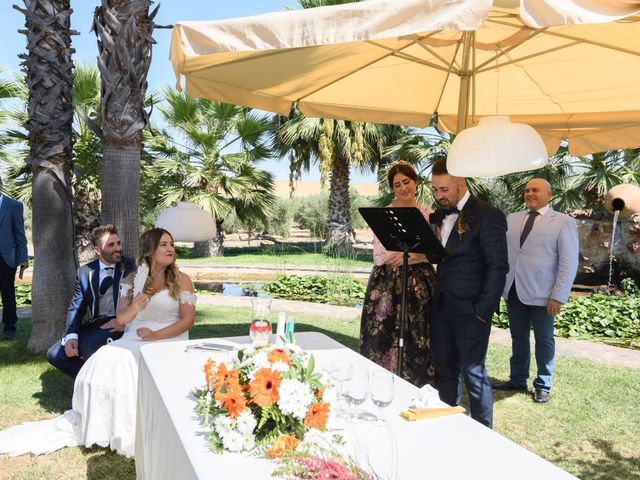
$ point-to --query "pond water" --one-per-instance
(230, 288)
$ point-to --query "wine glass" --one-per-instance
(381, 391)
(339, 373)
(357, 390)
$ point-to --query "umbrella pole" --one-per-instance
(465, 80)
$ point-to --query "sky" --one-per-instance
(160, 72)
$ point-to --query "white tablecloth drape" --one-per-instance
(170, 443)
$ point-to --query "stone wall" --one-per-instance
(595, 230)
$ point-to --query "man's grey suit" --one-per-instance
(542, 269)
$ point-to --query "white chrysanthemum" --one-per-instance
(295, 398)
(223, 424)
(246, 422)
(261, 360)
(280, 366)
(233, 441)
(248, 442)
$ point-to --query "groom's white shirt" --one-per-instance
(450, 220)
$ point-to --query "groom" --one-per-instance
(91, 319)
(468, 288)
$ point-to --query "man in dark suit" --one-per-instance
(13, 253)
(91, 319)
(468, 288)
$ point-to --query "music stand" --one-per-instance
(403, 229)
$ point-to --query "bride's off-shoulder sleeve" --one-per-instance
(189, 298)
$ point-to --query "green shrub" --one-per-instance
(23, 295)
(336, 290)
(600, 316)
(592, 316)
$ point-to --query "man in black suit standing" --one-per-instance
(91, 319)
(468, 288)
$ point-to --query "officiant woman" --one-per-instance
(379, 325)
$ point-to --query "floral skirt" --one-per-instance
(380, 322)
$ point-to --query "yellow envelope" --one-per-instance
(423, 413)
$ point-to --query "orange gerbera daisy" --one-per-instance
(281, 445)
(317, 415)
(264, 387)
(235, 403)
(279, 355)
(208, 371)
(225, 377)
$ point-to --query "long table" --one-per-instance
(171, 444)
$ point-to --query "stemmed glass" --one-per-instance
(340, 372)
(357, 389)
(381, 391)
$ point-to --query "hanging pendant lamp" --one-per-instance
(187, 223)
(496, 147)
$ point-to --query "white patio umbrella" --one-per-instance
(568, 68)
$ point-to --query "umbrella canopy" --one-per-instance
(569, 68)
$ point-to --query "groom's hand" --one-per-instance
(71, 348)
(113, 326)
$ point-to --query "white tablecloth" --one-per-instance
(170, 443)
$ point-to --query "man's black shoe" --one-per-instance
(508, 385)
(8, 335)
(541, 396)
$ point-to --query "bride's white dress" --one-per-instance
(104, 394)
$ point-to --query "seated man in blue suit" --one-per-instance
(543, 261)
(13, 253)
(91, 319)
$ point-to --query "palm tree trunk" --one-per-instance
(55, 263)
(49, 76)
(120, 194)
(339, 230)
(213, 247)
(124, 29)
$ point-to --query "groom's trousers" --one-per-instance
(460, 342)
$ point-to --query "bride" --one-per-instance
(157, 304)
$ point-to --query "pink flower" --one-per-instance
(384, 307)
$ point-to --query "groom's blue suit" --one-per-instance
(468, 287)
(84, 317)
(13, 251)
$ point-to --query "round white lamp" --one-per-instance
(496, 147)
(187, 223)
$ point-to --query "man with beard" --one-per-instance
(91, 319)
(469, 283)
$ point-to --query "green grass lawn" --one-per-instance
(280, 256)
(590, 427)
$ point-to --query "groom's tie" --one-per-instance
(528, 226)
(106, 281)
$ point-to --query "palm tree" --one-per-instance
(49, 76)
(207, 156)
(335, 145)
(124, 30)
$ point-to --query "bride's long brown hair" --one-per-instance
(149, 242)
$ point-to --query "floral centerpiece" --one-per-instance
(262, 399)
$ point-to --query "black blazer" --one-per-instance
(85, 292)
(472, 277)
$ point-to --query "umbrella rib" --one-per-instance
(548, 31)
(526, 57)
(508, 49)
